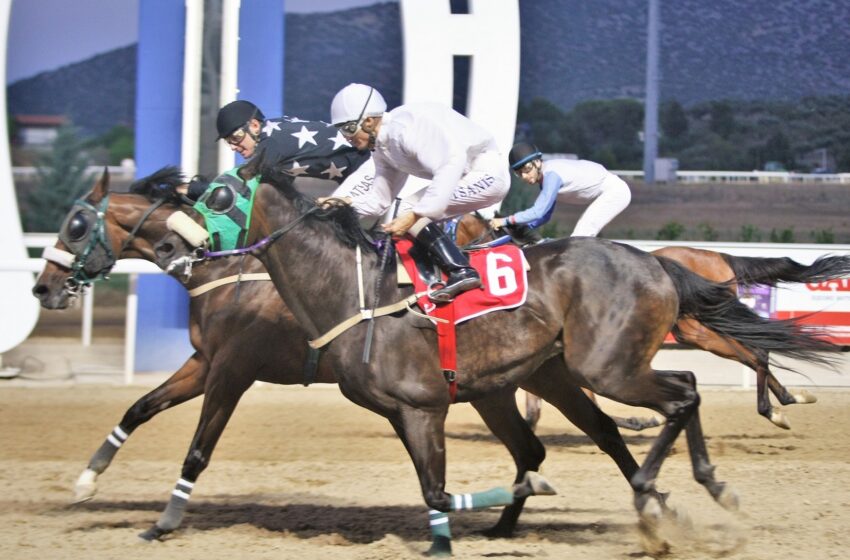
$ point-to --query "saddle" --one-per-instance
(503, 273)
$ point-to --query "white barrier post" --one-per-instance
(88, 312)
(130, 329)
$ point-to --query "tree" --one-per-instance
(118, 141)
(722, 119)
(61, 180)
(674, 121)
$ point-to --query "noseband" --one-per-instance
(97, 238)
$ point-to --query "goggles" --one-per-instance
(237, 136)
(520, 171)
(350, 128)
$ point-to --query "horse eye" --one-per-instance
(78, 226)
(221, 199)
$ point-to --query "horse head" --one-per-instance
(102, 227)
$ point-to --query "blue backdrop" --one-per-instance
(162, 338)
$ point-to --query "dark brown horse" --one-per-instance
(602, 308)
(243, 333)
(722, 268)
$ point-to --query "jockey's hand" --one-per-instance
(497, 223)
(400, 225)
(331, 201)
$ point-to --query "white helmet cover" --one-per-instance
(355, 100)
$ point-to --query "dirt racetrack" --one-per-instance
(303, 473)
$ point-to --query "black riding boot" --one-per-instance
(451, 260)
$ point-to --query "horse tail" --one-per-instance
(756, 270)
(714, 306)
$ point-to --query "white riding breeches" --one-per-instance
(614, 199)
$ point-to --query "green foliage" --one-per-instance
(520, 196)
(674, 121)
(708, 233)
(119, 141)
(719, 135)
(823, 236)
(670, 231)
(61, 180)
(750, 233)
(722, 119)
(783, 236)
(550, 230)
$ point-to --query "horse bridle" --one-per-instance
(97, 237)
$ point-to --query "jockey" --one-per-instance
(431, 141)
(570, 181)
(291, 145)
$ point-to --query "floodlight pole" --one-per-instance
(650, 123)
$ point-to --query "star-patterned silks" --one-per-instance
(304, 136)
(270, 127)
(333, 171)
(302, 148)
(296, 169)
(339, 141)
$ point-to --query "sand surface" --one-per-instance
(303, 473)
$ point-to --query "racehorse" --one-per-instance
(242, 332)
(717, 267)
(603, 308)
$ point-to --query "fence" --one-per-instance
(805, 253)
(758, 177)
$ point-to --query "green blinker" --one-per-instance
(226, 207)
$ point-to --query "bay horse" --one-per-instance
(717, 267)
(244, 333)
(601, 307)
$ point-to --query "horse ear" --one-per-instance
(101, 188)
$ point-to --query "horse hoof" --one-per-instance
(728, 499)
(155, 533)
(86, 487)
(805, 397)
(648, 525)
(778, 418)
(441, 547)
(498, 532)
(533, 484)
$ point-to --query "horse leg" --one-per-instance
(674, 394)
(223, 391)
(703, 469)
(692, 333)
(784, 395)
(500, 414)
(423, 433)
(185, 384)
(552, 383)
(632, 423)
(532, 410)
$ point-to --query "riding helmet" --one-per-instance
(522, 153)
(234, 115)
(355, 101)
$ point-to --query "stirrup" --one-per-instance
(448, 292)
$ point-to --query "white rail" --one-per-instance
(805, 253)
(758, 177)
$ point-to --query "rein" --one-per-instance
(271, 238)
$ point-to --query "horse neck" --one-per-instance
(124, 213)
(314, 272)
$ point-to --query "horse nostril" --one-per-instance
(165, 249)
(39, 290)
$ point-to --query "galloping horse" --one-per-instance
(725, 269)
(243, 333)
(600, 307)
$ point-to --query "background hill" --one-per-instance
(572, 50)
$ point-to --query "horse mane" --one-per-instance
(342, 218)
(161, 184)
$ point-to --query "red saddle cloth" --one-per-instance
(505, 286)
(503, 278)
